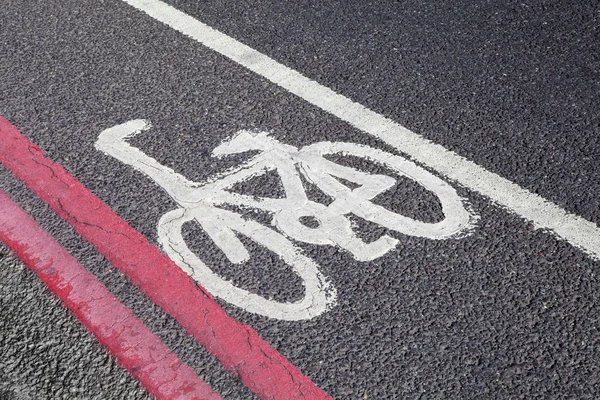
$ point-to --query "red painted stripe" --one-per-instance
(125, 336)
(237, 346)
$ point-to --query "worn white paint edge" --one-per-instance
(543, 213)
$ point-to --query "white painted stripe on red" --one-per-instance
(161, 372)
(260, 367)
(543, 213)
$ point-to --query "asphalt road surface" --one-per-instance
(413, 278)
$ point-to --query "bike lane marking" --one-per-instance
(141, 352)
(544, 214)
(239, 348)
(198, 201)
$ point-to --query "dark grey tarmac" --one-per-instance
(506, 312)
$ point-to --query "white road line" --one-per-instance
(543, 213)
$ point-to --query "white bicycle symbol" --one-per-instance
(199, 202)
